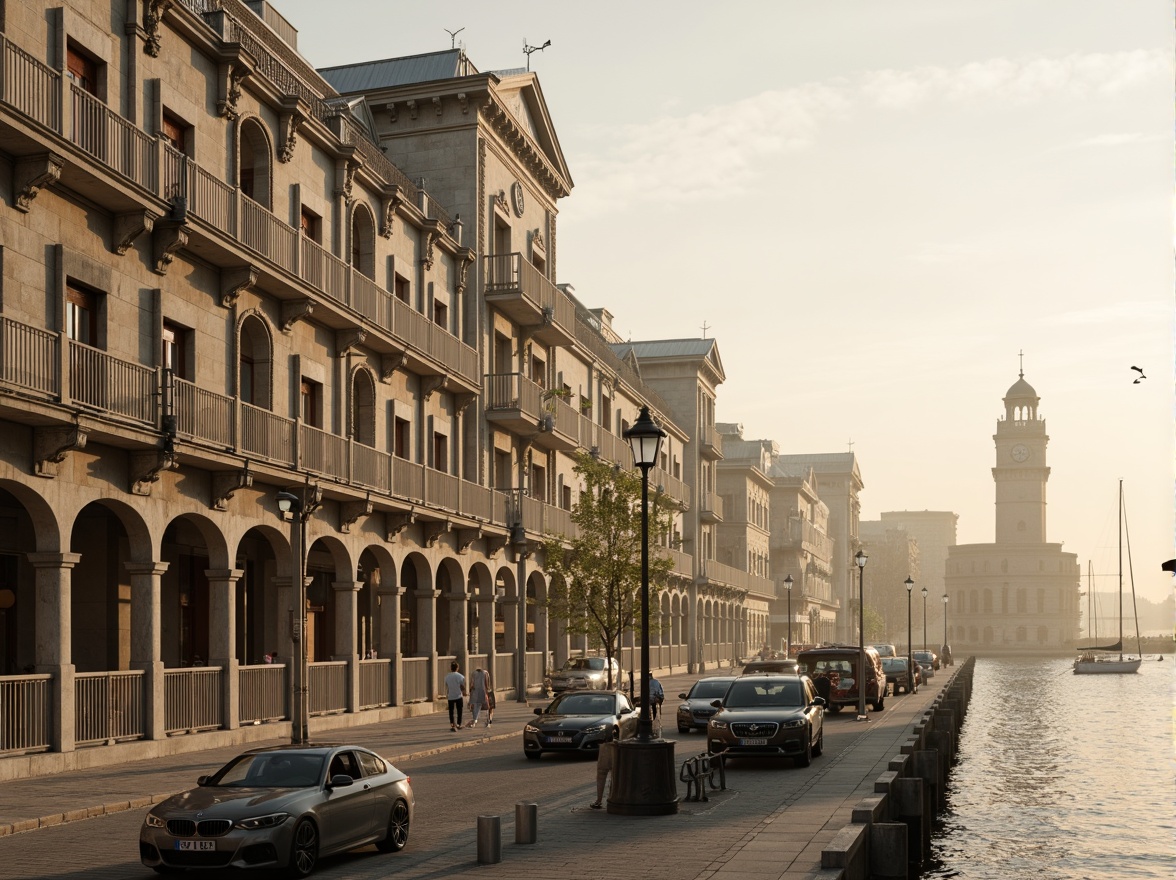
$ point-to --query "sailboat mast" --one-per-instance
(1120, 569)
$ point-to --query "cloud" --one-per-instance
(717, 151)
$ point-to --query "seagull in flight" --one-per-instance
(1141, 376)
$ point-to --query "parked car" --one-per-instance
(781, 664)
(886, 650)
(281, 807)
(898, 674)
(769, 715)
(834, 671)
(587, 673)
(580, 722)
(696, 709)
(928, 661)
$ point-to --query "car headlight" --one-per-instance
(153, 821)
(797, 723)
(530, 728)
(718, 725)
(271, 820)
(596, 728)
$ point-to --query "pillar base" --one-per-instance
(644, 783)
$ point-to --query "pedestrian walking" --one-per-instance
(657, 696)
(455, 692)
(479, 687)
(490, 702)
(606, 757)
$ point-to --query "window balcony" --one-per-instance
(710, 507)
(710, 442)
(522, 293)
(518, 405)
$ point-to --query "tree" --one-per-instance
(596, 575)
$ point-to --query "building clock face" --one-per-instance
(516, 197)
(1020, 452)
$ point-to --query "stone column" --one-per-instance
(690, 621)
(388, 599)
(487, 643)
(426, 604)
(347, 635)
(53, 574)
(283, 636)
(222, 640)
(147, 642)
(459, 641)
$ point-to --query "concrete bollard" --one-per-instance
(489, 840)
(526, 823)
(888, 850)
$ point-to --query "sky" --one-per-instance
(873, 206)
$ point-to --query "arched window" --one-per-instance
(254, 162)
(363, 242)
(363, 408)
(255, 359)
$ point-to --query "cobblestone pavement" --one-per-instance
(770, 824)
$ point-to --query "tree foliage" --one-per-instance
(596, 576)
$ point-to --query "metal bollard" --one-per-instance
(489, 840)
(526, 823)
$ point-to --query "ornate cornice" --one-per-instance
(528, 152)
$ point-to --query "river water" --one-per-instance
(1062, 776)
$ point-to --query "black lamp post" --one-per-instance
(643, 778)
(788, 587)
(860, 559)
(910, 585)
(292, 504)
(924, 618)
(943, 650)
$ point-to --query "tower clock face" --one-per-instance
(1020, 452)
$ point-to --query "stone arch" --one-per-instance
(363, 240)
(416, 606)
(480, 625)
(328, 562)
(255, 357)
(379, 605)
(32, 523)
(451, 608)
(506, 619)
(255, 161)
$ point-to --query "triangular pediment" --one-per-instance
(520, 95)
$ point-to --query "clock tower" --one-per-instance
(1020, 472)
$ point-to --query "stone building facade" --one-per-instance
(1019, 594)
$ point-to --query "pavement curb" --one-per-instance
(6, 830)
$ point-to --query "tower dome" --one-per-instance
(1021, 401)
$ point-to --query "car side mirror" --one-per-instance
(340, 780)
(538, 711)
(718, 704)
(202, 780)
(820, 701)
(681, 696)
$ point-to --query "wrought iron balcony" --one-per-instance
(522, 292)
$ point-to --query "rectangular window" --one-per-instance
(565, 500)
(538, 483)
(401, 437)
(311, 224)
(311, 407)
(606, 413)
(440, 314)
(440, 452)
(538, 372)
(401, 289)
(175, 131)
(81, 314)
(82, 69)
(176, 350)
(502, 470)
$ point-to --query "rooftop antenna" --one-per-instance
(453, 36)
(527, 50)
(705, 327)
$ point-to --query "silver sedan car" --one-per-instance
(580, 722)
(281, 807)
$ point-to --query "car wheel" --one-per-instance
(835, 708)
(398, 821)
(304, 849)
(806, 757)
(534, 756)
(682, 729)
(820, 746)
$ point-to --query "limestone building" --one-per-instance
(223, 277)
(1019, 594)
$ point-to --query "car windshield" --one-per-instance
(747, 694)
(894, 663)
(595, 663)
(708, 690)
(583, 704)
(271, 770)
(922, 655)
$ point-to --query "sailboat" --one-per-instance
(1098, 661)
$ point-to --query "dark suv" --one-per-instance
(769, 715)
(834, 670)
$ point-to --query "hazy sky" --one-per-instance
(873, 206)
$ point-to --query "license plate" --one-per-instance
(559, 739)
(760, 741)
(196, 845)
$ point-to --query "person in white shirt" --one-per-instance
(455, 691)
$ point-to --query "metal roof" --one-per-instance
(660, 348)
(368, 75)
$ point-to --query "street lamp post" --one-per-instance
(860, 559)
(910, 584)
(788, 587)
(643, 778)
(924, 618)
(292, 504)
(943, 649)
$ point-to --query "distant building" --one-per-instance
(934, 531)
(893, 556)
(1020, 594)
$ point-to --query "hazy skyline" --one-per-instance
(873, 207)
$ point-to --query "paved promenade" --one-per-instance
(782, 838)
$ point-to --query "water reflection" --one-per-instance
(1061, 776)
